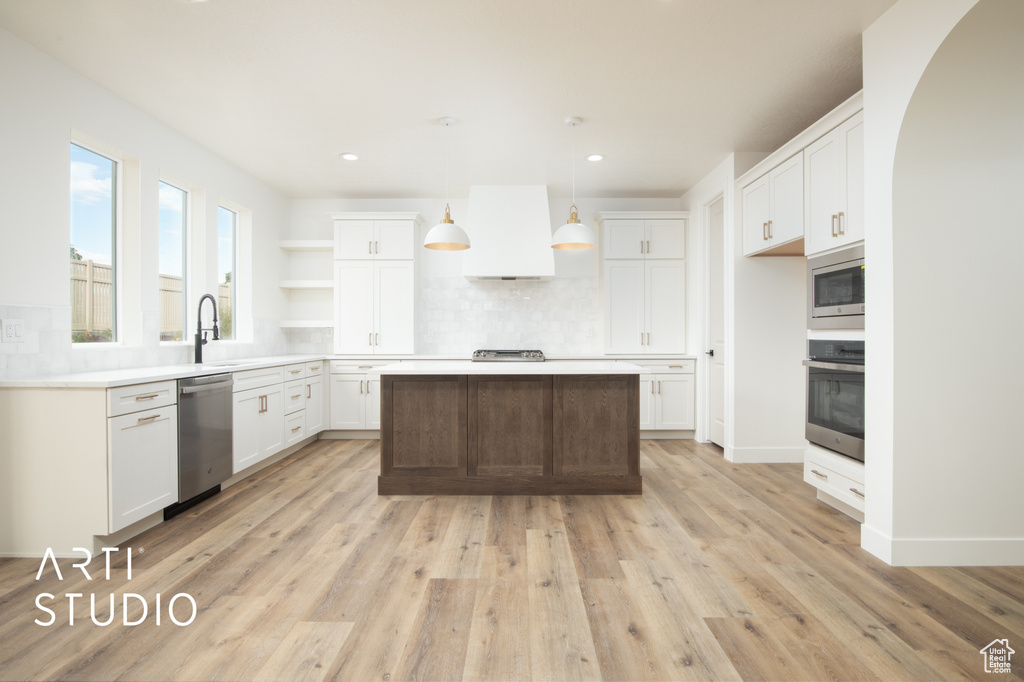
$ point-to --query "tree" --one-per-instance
(74, 254)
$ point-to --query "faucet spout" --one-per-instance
(200, 335)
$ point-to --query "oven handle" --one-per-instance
(835, 366)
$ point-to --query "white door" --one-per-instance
(246, 410)
(624, 306)
(353, 302)
(314, 405)
(143, 452)
(756, 207)
(624, 239)
(822, 188)
(787, 197)
(394, 332)
(353, 239)
(373, 403)
(394, 239)
(647, 400)
(675, 401)
(852, 135)
(667, 238)
(665, 303)
(271, 423)
(716, 322)
(348, 401)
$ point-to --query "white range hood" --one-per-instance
(510, 229)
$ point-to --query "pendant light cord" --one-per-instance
(573, 164)
(447, 199)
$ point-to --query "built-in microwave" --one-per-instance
(835, 290)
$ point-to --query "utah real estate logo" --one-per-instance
(997, 656)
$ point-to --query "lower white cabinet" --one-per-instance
(839, 480)
(355, 396)
(667, 397)
(142, 451)
(314, 405)
(258, 423)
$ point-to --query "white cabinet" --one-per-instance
(374, 307)
(645, 306)
(839, 480)
(834, 187)
(258, 422)
(667, 397)
(142, 451)
(355, 397)
(643, 238)
(375, 239)
(314, 423)
(773, 209)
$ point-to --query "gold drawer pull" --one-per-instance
(819, 474)
(296, 429)
(857, 493)
(148, 419)
(296, 371)
(296, 396)
(147, 397)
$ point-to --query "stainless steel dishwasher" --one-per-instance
(204, 438)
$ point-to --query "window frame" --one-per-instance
(236, 212)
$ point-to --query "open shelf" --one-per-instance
(307, 244)
(306, 324)
(306, 284)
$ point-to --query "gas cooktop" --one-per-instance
(508, 356)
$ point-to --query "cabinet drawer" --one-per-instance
(294, 428)
(293, 372)
(257, 378)
(294, 396)
(836, 478)
(314, 369)
(350, 367)
(668, 367)
(128, 399)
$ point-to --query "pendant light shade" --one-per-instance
(574, 235)
(446, 235)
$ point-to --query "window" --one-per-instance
(173, 293)
(93, 246)
(227, 233)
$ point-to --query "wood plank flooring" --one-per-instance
(717, 572)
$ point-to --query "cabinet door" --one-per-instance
(675, 402)
(648, 397)
(353, 301)
(624, 239)
(353, 239)
(143, 469)
(395, 291)
(851, 135)
(246, 410)
(787, 201)
(294, 428)
(666, 238)
(822, 187)
(665, 303)
(624, 306)
(314, 405)
(394, 239)
(348, 401)
(756, 206)
(271, 423)
(372, 409)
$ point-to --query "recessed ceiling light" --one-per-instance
(349, 156)
(594, 157)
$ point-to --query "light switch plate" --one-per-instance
(13, 330)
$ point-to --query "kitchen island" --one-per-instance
(510, 428)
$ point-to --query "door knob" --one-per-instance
(710, 352)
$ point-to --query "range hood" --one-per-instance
(510, 226)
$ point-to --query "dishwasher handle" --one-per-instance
(184, 389)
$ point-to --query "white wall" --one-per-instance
(43, 102)
(947, 470)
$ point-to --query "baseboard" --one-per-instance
(666, 435)
(764, 455)
(943, 551)
(350, 435)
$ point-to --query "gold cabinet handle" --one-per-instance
(648, 338)
(147, 397)
(659, 388)
(819, 474)
(369, 248)
(648, 246)
(842, 228)
(857, 493)
(834, 218)
(369, 339)
(376, 247)
(360, 388)
(150, 418)
(309, 389)
(296, 429)
(770, 235)
(641, 338)
(764, 231)
(376, 339)
(296, 371)
(652, 387)
(296, 396)
(641, 247)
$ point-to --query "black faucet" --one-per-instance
(200, 335)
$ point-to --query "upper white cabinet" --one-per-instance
(374, 307)
(834, 187)
(773, 208)
(639, 238)
(374, 239)
(644, 283)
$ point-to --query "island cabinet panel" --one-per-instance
(424, 425)
(596, 425)
(510, 426)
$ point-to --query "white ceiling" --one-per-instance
(666, 88)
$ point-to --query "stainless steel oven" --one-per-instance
(835, 396)
(835, 290)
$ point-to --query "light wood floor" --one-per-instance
(717, 572)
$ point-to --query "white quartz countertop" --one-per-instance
(510, 368)
(144, 375)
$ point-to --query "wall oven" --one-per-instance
(835, 290)
(835, 396)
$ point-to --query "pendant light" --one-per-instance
(446, 235)
(574, 234)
